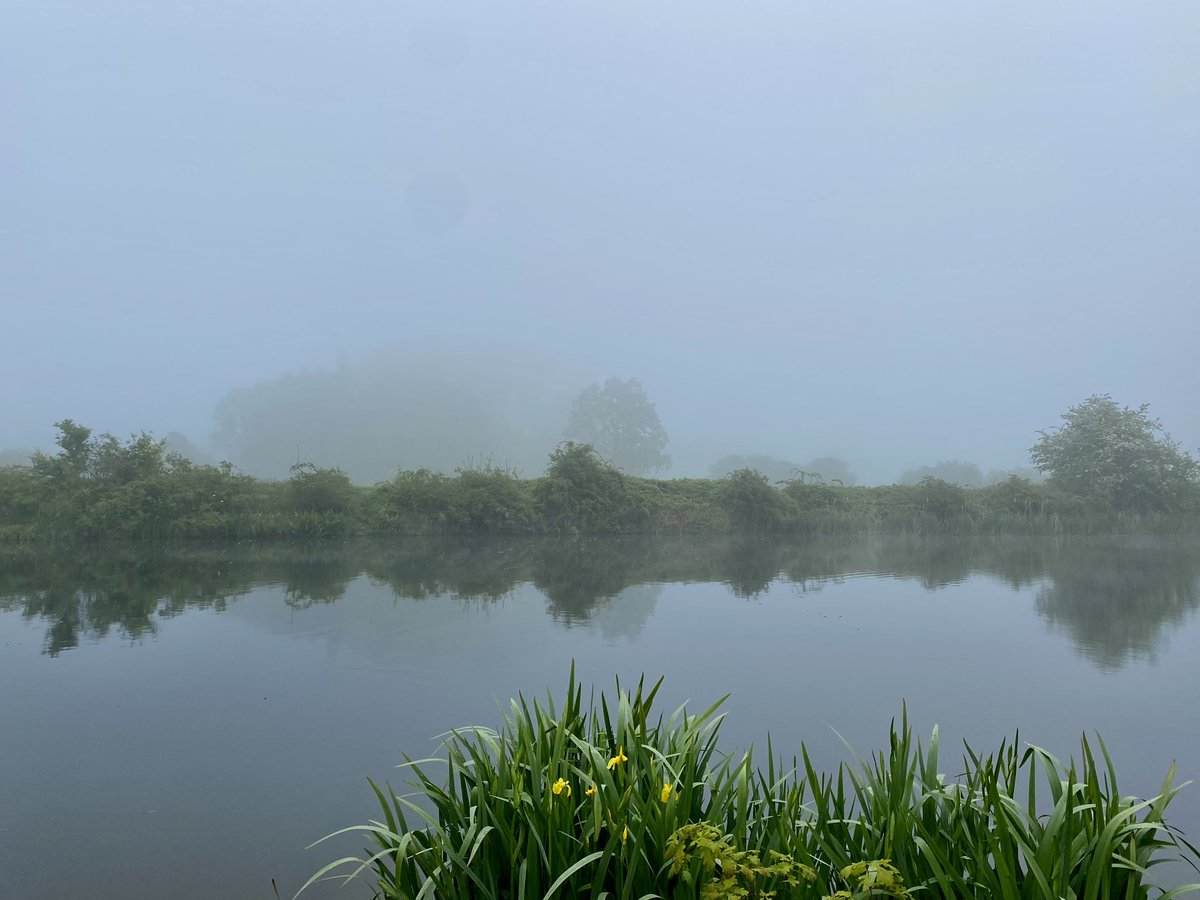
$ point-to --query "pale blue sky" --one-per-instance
(898, 232)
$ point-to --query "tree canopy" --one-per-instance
(1118, 456)
(620, 422)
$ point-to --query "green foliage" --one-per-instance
(317, 490)
(702, 857)
(488, 498)
(753, 504)
(993, 832)
(319, 502)
(1119, 457)
(76, 452)
(99, 488)
(942, 500)
(831, 469)
(1022, 499)
(414, 502)
(950, 471)
(774, 469)
(609, 800)
(872, 878)
(485, 498)
(581, 493)
(620, 422)
(210, 501)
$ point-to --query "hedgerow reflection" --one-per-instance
(1114, 597)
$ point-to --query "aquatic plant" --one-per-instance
(609, 801)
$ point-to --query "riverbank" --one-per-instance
(140, 494)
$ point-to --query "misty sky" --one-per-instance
(896, 232)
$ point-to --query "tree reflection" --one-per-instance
(750, 566)
(86, 597)
(1115, 598)
(475, 570)
(578, 575)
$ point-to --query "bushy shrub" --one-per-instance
(753, 504)
(414, 502)
(581, 493)
(489, 499)
(316, 490)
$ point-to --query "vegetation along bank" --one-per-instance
(1108, 469)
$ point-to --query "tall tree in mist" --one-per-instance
(620, 421)
(1117, 455)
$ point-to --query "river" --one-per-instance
(185, 722)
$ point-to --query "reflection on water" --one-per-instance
(241, 695)
(1115, 598)
(1118, 600)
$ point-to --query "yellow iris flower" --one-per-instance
(561, 785)
(625, 834)
(618, 759)
(591, 791)
(666, 792)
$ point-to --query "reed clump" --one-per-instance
(609, 800)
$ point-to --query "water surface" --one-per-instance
(184, 723)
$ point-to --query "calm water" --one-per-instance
(184, 725)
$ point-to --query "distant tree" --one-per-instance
(76, 452)
(950, 471)
(1118, 456)
(821, 469)
(831, 468)
(178, 443)
(408, 409)
(774, 469)
(618, 420)
(15, 457)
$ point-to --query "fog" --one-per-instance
(410, 234)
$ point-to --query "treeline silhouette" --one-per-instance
(99, 488)
(1113, 596)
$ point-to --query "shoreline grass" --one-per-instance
(613, 801)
